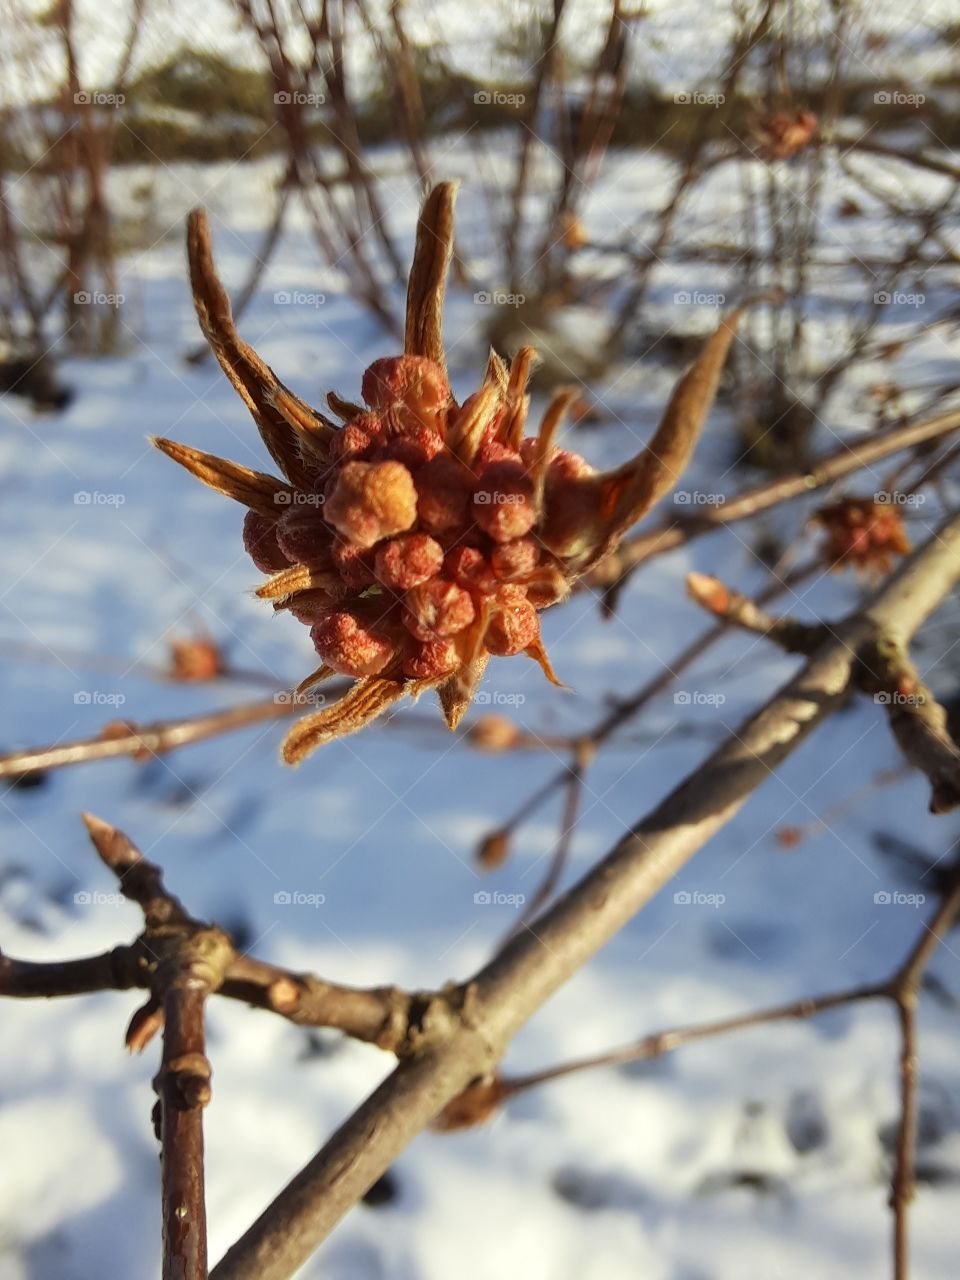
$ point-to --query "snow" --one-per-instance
(603, 1176)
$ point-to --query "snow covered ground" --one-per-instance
(761, 1156)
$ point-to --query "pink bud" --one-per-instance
(572, 499)
(431, 660)
(353, 563)
(503, 501)
(470, 568)
(565, 465)
(443, 486)
(310, 606)
(411, 389)
(515, 625)
(260, 543)
(372, 500)
(513, 561)
(304, 536)
(437, 609)
(350, 644)
(356, 439)
(413, 448)
(407, 561)
(494, 451)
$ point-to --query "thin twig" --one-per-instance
(153, 739)
(660, 1042)
(904, 989)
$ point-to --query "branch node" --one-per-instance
(190, 1074)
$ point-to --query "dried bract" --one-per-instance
(863, 533)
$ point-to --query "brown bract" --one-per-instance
(781, 134)
(864, 533)
(417, 536)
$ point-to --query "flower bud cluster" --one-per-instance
(420, 553)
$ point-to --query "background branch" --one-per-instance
(611, 574)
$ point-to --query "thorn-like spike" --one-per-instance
(254, 489)
(426, 287)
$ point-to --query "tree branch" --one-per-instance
(398, 1021)
(731, 606)
(904, 989)
(183, 1088)
(506, 992)
(917, 720)
(611, 574)
(141, 741)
